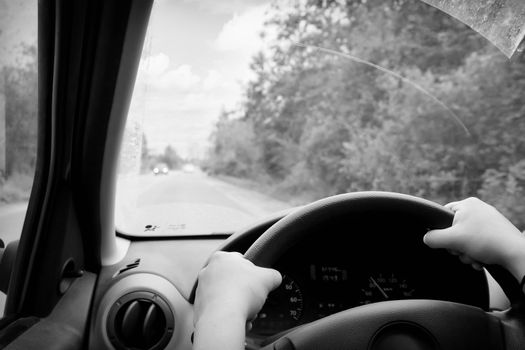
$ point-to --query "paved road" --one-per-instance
(193, 200)
(188, 203)
(199, 188)
(178, 203)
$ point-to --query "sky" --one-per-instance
(194, 64)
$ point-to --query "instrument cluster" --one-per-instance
(321, 278)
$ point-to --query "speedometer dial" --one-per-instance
(385, 286)
(283, 309)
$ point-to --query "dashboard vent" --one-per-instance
(140, 320)
(127, 267)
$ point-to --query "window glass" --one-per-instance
(18, 114)
(245, 108)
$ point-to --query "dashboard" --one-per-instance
(338, 264)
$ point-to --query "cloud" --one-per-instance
(157, 78)
(213, 80)
(155, 72)
(241, 32)
(239, 40)
(226, 6)
(177, 106)
(154, 66)
(181, 78)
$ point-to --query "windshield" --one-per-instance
(244, 109)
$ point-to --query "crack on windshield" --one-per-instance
(421, 89)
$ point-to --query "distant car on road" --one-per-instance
(161, 169)
(189, 168)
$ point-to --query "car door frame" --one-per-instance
(88, 56)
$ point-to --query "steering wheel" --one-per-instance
(401, 324)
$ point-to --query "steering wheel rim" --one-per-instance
(273, 243)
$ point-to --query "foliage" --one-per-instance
(17, 188)
(170, 157)
(234, 151)
(21, 96)
(315, 124)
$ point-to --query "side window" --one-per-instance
(18, 114)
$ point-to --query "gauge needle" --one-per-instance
(378, 287)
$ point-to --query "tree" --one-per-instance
(317, 123)
(21, 113)
(144, 149)
(171, 158)
(234, 152)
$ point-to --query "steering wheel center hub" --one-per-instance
(403, 336)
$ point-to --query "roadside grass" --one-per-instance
(295, 192)
(282, 192)
(16, 188)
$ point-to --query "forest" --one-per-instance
(316, 121)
